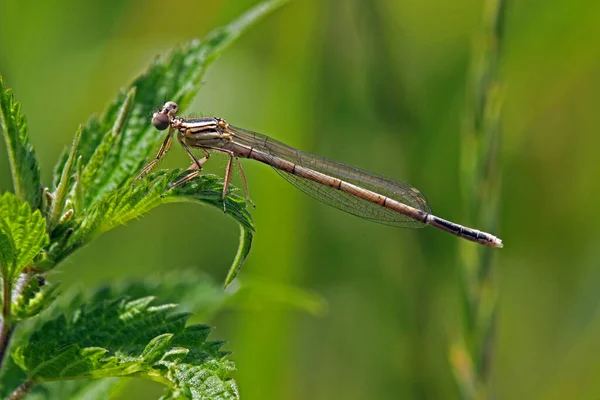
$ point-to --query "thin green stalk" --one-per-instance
(471, 353)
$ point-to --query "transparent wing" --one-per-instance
(398, 191)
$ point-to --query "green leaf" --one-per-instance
(129, 338)
(22, 235)
(138, 198)
(7, 250)
(195, 291)
(188, 386)
(23, 163)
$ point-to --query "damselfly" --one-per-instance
(350, 189)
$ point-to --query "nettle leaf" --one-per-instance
(7, 250)
(187, 385)
(192, 290)
(23, 163)
(22, 235)
(141, 196)
(131, 338)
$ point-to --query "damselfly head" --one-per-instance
(161, 119)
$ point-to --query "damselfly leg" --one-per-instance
(164, 148)
(227, 180)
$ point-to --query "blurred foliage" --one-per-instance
(380, 85)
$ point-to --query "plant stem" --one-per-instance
(6, 332)
(6, 327)
(471, 354)
(21, 391)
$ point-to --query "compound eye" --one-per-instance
(160, 121)
(171, 108)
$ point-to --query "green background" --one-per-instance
(376, 84)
